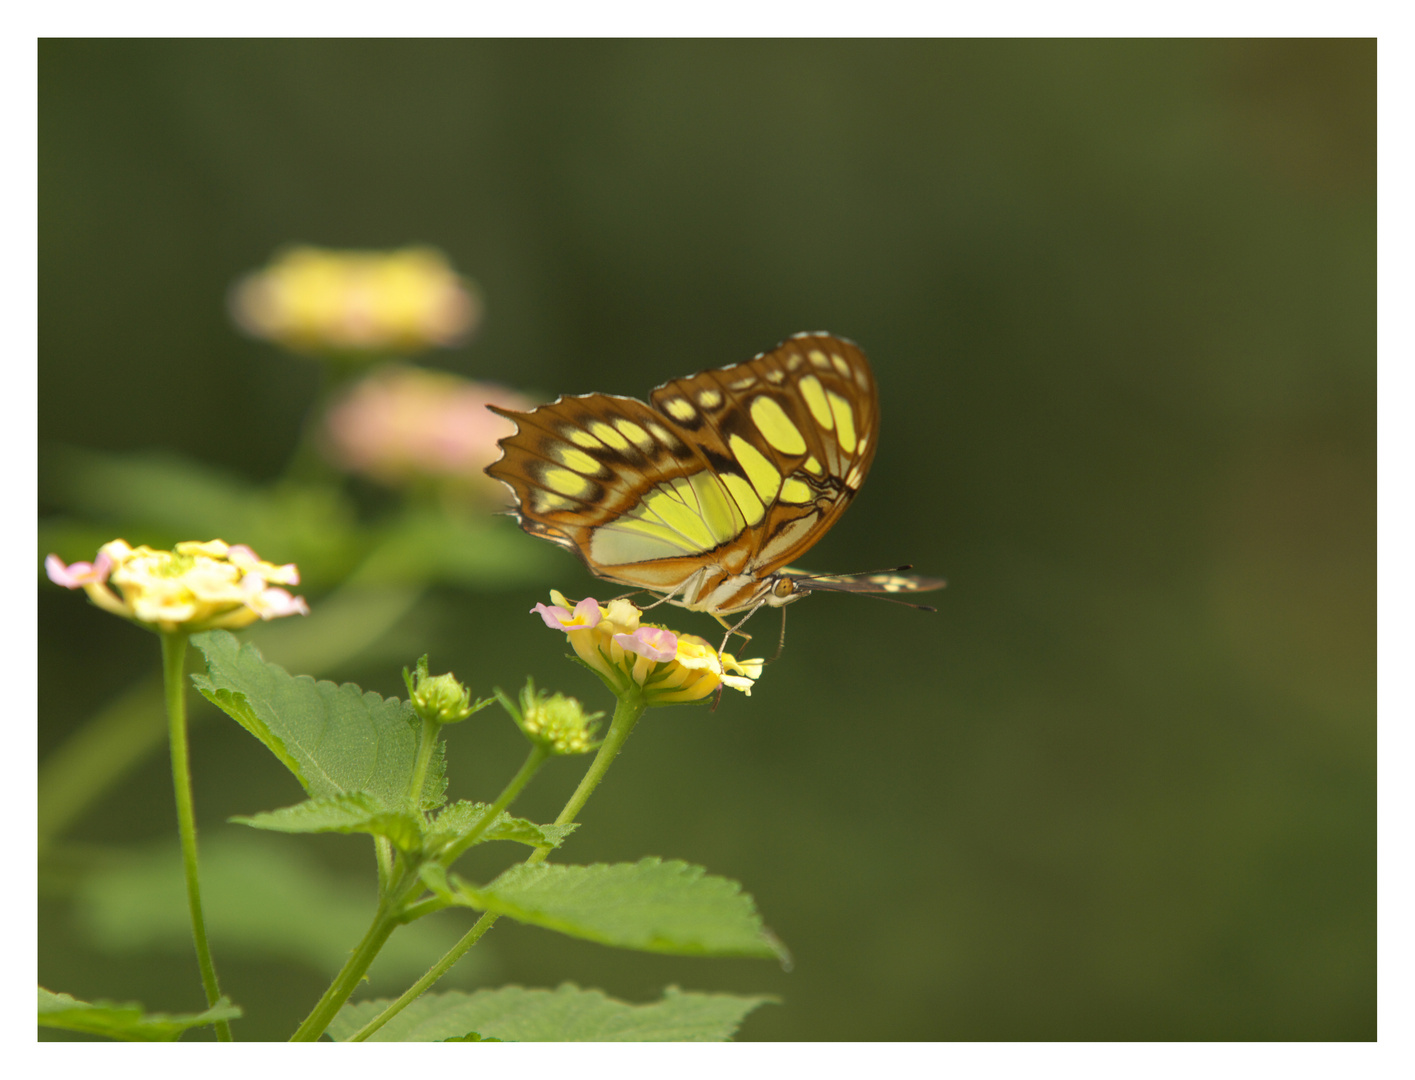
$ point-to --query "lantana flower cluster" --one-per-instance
(314, 300)
(667, 667)
(198, 586)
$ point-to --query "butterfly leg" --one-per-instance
(665, 598)
(736, 628)
(661, 600)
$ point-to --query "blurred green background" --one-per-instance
(1120, 300)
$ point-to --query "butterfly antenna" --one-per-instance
(901, 603)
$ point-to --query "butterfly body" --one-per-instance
(708, 490)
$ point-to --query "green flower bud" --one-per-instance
(557, 722)
(440, 698)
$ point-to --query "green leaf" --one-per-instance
(261, 895)
(354, 812)
(126, 1022)
(461, 817)
(335, 739)
(567, 1014)
(667, 907)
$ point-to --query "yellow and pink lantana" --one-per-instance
(667, 667)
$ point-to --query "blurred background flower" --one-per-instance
(405, 424)
(401, 302)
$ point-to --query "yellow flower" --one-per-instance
(668, 668)
(198, 586)
(313, 300)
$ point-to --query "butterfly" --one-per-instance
(709, 490)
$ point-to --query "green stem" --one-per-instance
(129, 727)
(534, 760)
(174, 655)
(626, 715)
(383, 852)
(426, 745)
(347, 981)
(392, 908)
(426, 906)
(439, 969)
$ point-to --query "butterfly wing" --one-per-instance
(605, 477)
(743, 467)
(792, 432)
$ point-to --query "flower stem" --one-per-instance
(534, 760)
(426, 745)
(174, 654)
(387, 920)
(626, 715)
(383, 853)
(347, 981)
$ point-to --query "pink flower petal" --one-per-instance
(277, 603)
(585, 615)
(587, 611)
(650, 642)
(242, 556)
(555, 617)
(81, 573)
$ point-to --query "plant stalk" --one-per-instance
(426, 745)
(347, 981)
(626, 715)
(174, 655)
(534, 760)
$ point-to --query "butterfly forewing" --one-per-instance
(726, 475)
(792, 433)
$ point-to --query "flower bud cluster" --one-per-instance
(440, 698)
(556, 722)
(631, 656)
(197, 586)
